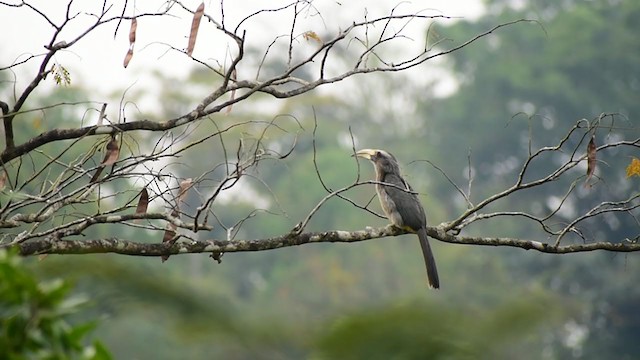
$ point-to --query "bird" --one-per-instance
(401, 204)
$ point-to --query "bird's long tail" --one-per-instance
(430, 262)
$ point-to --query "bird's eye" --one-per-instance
(377, 154)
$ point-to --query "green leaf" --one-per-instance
(97, 352)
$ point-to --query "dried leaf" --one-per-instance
(311, 35)
(170, 233)
(113, 151)
(110, 157)
(132, 32)
(591, 158)
(132, 41)
(233, 92)
(42, 257)
(127, 58)
(143, 202)
(3, 178)
(185, 185)
(102, 111)
(633, 168)
(195, 25)
(95, 176)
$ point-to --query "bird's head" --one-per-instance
(382, 160)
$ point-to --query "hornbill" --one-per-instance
(400, 204)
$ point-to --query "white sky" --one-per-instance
(96, 61)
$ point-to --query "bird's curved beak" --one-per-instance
(365, 153)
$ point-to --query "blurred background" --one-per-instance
(530, 81)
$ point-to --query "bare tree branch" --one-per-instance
(125, 247)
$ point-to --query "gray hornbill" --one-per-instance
(400, 204)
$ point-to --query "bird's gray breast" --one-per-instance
(389, 206)
(401, 206)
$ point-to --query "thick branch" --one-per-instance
(67, 134)
(126, 247)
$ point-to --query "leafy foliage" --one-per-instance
(61, 75)
(426, 330)
(35, 317)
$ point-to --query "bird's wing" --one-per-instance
(406, 203)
